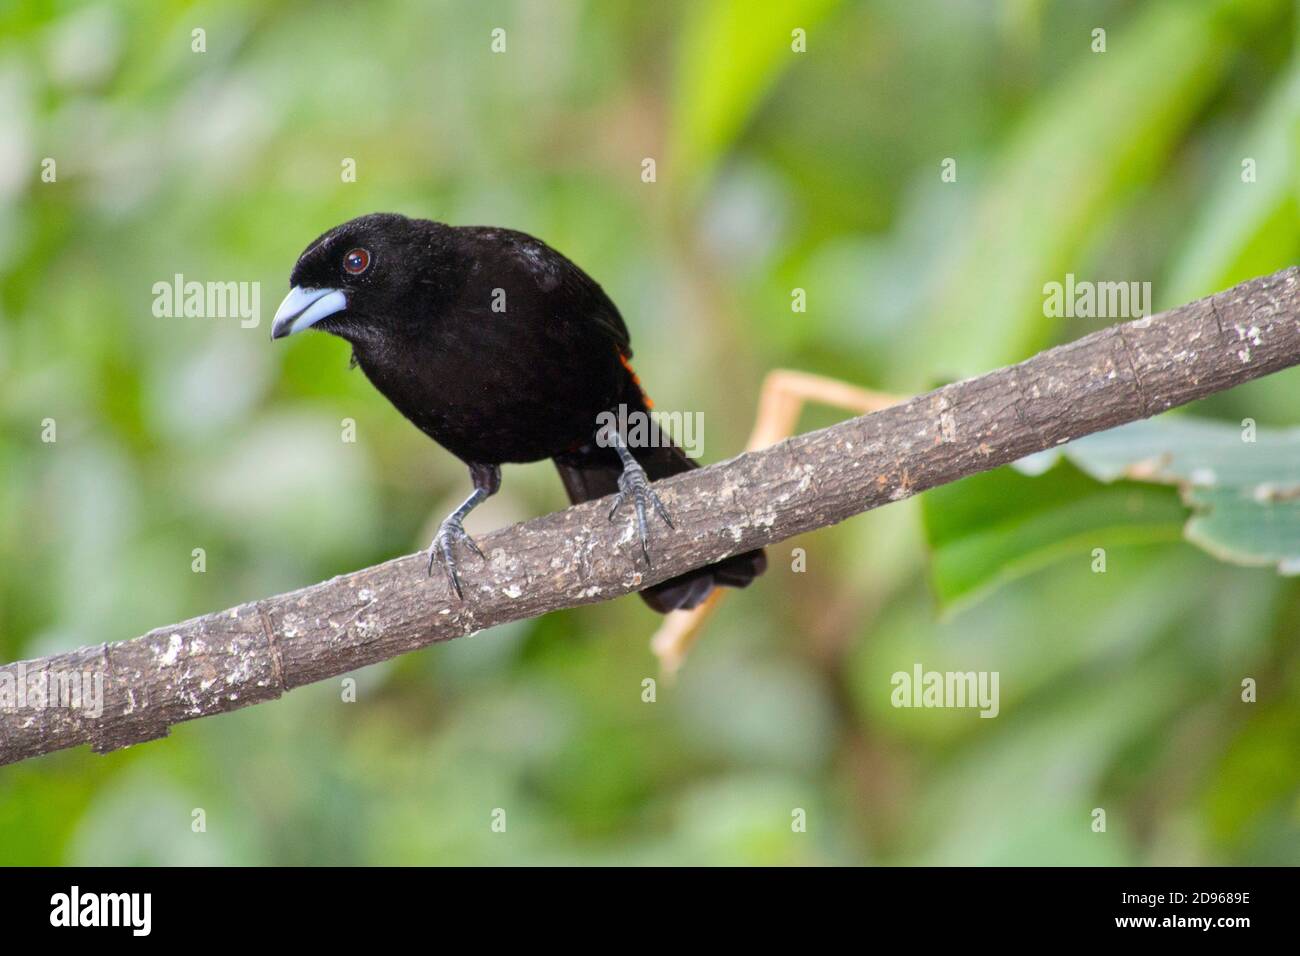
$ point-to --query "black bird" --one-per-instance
(501, 350)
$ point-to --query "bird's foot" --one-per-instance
(449, 533)
(634, 484)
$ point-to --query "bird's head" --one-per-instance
(363, 277)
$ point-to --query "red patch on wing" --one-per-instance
(649, 403)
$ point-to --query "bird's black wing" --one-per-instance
(556, 275)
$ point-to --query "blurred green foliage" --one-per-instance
(775, 170)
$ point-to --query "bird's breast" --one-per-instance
(491, 395)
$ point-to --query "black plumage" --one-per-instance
(501, 350)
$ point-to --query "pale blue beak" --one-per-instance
(303, 308)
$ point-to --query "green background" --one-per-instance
(775, 170)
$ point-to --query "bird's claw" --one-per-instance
(450, 532)
(634, 484)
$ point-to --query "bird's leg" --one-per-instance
(634, 484)
(486, 479)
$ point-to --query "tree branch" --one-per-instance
(255, 652)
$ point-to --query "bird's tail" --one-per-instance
(592, 472)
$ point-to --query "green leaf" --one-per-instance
(1237, 526)
(1131, 485)
(1244, 494)
(992, 528)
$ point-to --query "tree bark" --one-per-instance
(257, 651)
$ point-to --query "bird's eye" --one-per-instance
(356, 261)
